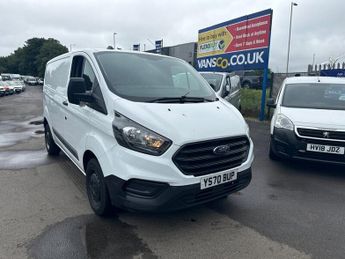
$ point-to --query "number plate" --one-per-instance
(217, 179)
(325, 149)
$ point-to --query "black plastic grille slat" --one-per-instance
(315, 133)
(206, 148)
(199, 159)
(206, 157)
(221, 162)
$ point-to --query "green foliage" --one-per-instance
(32, 58)
(251, 101)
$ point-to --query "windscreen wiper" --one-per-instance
(182, 99)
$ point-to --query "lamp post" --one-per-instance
(114, 39)
(288, 53)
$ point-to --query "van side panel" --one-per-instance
(55, 88)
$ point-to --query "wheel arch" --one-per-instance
(88, 155)
(99, 148)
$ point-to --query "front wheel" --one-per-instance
(96, 188)
(246, 85)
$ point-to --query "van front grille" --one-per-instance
(323, 134)
(201, 159)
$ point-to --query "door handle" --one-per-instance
(65, 103)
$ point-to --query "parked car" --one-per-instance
(8, 88)
(21, 82)
(17, 87)
(226, 85)
(308, 122)
(2, 90)
(40, 81)
(31, 81)
(250, 79)
(5, 77)
(144, 140)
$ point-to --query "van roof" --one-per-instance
(90, 52)
(314, 79)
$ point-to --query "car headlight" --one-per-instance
(283, 122)
(132, 135)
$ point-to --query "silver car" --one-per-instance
(226, 85)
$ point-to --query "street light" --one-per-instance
(288, 53)
(114, 39)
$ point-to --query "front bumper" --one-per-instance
(286, 144)
(140, 195)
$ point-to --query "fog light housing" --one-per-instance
(143, 188)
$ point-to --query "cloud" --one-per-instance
(317, 25)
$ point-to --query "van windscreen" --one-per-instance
(147, 77)
(315, 96)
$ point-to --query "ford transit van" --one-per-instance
(147, 130)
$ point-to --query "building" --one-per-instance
(185, 51)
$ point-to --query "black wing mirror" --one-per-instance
(226, 91)
(271, 103)
(77, 91)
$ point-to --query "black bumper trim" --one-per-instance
(172, 198)
(286, 144)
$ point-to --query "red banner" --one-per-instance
(250, 34)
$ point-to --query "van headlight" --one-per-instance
(132, 135)
(283, 122)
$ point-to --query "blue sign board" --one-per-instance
(136, 47)
(333, 72)
(159, 44)
(239, 44)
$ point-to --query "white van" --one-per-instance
(147, 130)
(308, 122)
(226, 85)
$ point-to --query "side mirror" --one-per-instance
(227, 91)
(271, 103)
(77, 91)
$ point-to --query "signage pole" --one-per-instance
(263, 95)
(264, 81)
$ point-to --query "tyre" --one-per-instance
(246, 84)
(96, 189)
(52, 148)
(273, 156)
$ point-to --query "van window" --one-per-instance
(56, 75)
(314, 96)
(81, 67)
(144, 77)
(215, 80)
(88, 75)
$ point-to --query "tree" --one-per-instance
(50, 49)
(32, 58)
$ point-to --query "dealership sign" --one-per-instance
(239, 44)
(333, 72)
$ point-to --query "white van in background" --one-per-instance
(226, 85)
(147, 130)
(308, 122)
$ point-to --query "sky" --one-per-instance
(317, 28)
